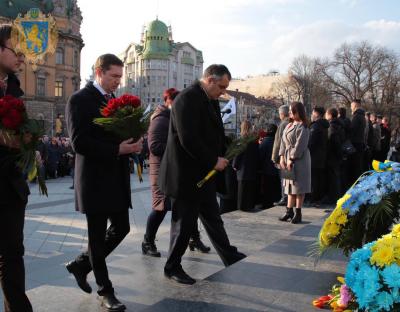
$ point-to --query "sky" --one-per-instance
(251, 37)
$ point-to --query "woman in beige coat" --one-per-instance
(295, 157)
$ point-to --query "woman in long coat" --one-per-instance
(157, 142)
(295, 157)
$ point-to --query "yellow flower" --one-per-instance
(332, 229)
(342, 219)
(340, 279)
(342, 200)
(396, 229)
(383, 255)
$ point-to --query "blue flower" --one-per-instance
(395, 294)
(391, 275)
(384, 301)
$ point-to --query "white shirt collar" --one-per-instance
(98, 87)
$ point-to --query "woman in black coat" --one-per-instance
(157, 142)
(247, 166)
(270, 181)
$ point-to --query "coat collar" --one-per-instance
(212, 105)
(96, 93)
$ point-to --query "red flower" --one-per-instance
(12, 112)
(12, 120)
(123, 101)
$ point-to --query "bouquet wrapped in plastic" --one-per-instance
(237, 147)
(124, 117)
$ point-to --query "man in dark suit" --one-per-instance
(195, 146)
(13, 190)
(102, 179)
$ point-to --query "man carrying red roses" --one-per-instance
(13, 189)
(102, 178)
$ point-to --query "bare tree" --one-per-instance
(361, 70)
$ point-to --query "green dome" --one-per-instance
(156, 44)
(11, 8)
(157, 28)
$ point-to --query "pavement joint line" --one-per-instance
(71, 199)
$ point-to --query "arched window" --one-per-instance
(59, 56)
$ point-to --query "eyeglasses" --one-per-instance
(13, 51)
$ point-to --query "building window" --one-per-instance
(59, 88)
(76, 60)
(41, 86)
(59, 56)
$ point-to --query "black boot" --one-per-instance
(297, 216)
(149, 248)
(198, 244)
(288, 215)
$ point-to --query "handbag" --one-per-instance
(288, 174)
(348, 148)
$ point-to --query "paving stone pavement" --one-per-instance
(277, 275)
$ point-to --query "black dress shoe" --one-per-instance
(150, 249)
(179, 276)
(198, 244)
(111, 303)
(80, 277)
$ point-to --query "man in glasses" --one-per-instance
(13, 190)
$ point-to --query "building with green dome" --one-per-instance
(158, 63)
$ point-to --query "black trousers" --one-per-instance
(102, 241)
(154, 221)
(318, 185)
(184, 216)
(356, 164)
(334, 182)
(12, 269)
(247, 193)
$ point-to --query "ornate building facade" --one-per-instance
(158, 63)
(48, 88)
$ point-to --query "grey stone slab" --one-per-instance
(173, 305)
(309, 230)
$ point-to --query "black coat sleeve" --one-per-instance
(82, 130)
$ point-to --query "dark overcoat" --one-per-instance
(102, 178)
(195, 140)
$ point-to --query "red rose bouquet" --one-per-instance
(14, 122)
(124, 117)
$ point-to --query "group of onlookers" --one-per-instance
(55, 156)
(317, 161)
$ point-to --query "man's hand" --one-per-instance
(127, 147)
(221, 164)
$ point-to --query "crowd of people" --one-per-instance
(288, 163)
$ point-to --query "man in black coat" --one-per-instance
(317, 144)
(357, 138)
(13, 190)
(102, 179)
(195, 146)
